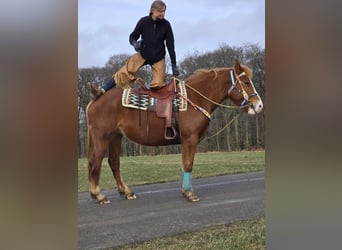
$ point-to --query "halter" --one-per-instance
(242, 91)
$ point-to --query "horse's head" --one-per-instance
(242, 91)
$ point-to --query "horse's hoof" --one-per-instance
(104, 201)
(191, 196)
(130, 196)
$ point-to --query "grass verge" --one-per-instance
(164, 168)
(241, 235)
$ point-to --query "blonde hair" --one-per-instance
(157, 5)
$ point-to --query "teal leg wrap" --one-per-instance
(186, 182)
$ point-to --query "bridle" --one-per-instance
(235, 78)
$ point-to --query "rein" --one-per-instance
(202, 110)
(216, 103)
(206, 113)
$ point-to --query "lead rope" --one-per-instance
(208, 137)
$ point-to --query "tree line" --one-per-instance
(244, 132)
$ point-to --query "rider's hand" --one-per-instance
(137, 45)
(175, 71)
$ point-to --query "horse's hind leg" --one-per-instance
(95, 158)
(114, 163)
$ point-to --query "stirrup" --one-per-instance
(172, 134)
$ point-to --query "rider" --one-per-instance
(154, 31)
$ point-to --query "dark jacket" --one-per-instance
(154, 34)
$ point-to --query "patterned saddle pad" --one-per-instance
(131, 100)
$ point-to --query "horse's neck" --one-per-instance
(210, 87)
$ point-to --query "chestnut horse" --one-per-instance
(108, 121)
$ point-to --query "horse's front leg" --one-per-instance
(188, 155)
(114, 163)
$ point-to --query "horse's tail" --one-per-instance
(89, 141)
(89, 137)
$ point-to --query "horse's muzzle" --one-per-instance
(255, 108)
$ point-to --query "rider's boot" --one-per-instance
(107, 86)
(97, 92)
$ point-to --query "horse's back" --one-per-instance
(103, 108)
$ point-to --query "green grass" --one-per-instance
(164, 168)
(242, 235)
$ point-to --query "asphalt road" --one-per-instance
(160, 210)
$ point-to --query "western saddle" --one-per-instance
(163, 107)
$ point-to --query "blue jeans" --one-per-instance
(108, 85)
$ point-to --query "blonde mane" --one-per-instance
(206, 72)
(215, 71)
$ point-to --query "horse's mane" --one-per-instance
(201, 72)
(247, 70)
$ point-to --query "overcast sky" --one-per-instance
(198, 25)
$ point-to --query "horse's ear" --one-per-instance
(237, 67)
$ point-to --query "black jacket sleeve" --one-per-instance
(170, 44)
(134, 36)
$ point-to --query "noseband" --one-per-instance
(242, 91)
